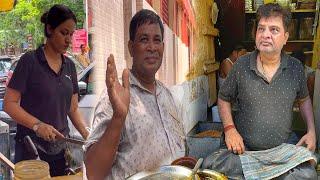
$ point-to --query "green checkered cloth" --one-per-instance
(273, 162)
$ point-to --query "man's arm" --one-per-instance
(226, 67)
(233, 139)
(310, 84)
(88, 60)
(308, 139)
(100, 156)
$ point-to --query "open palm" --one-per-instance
(119, 95)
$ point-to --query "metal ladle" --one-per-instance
(196, 167)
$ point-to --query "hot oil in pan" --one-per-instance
(161, 176)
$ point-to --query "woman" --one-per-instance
(43, 91)
(226, 64)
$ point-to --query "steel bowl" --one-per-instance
(174, 172)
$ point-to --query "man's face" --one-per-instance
(83, 49)
(147, 49)
(270, 35)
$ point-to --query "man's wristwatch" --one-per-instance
(35, 127)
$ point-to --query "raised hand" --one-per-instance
(119, 95)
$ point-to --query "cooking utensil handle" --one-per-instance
(6, 161)
(197, 166)
(31, 147)
(75, 141)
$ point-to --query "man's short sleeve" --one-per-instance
(228, 91)
(303, 87)
(19, 79)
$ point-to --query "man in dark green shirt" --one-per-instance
(266, 83)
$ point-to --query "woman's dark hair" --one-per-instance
(56, 15)
(144, 16)
(238, 47)
(274, 9)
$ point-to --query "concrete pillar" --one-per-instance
(204, 57)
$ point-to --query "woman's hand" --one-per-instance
(48, 132)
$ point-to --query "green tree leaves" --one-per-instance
(24, 20)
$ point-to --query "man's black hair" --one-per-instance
(144, 16)
(274, 10)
